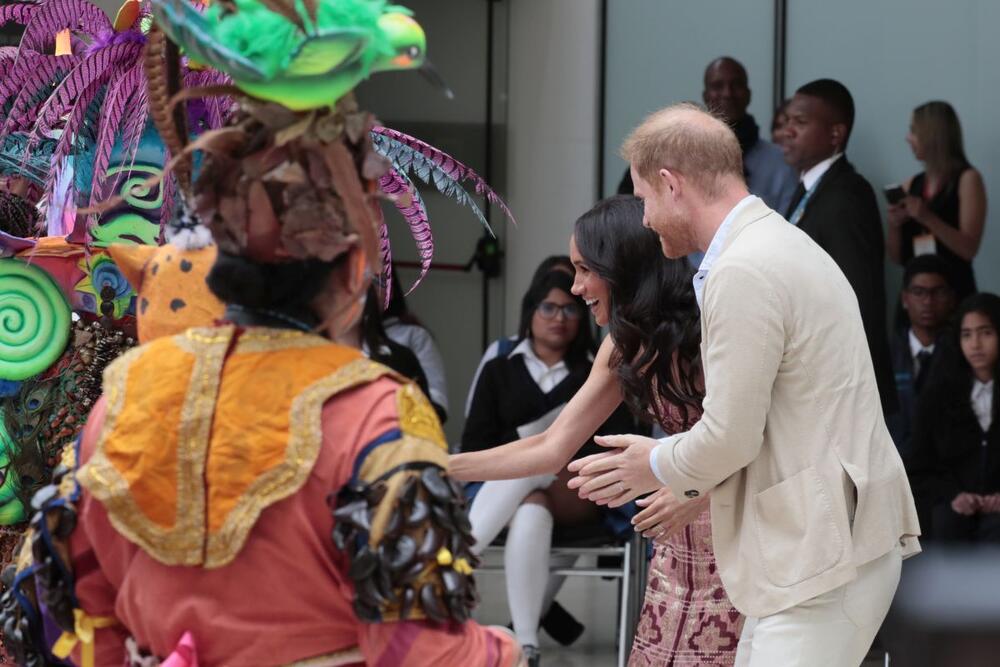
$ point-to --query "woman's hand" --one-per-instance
(663, 515)
(966, 504)
(990, 504)
(915, 208)
(896, 214)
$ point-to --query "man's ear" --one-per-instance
(670, 181)
(838, 133)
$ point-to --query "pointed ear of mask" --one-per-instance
(171, 288)
(132, 261)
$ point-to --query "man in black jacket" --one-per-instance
(928, 300)
(836, 206)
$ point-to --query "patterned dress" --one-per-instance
(686, 617)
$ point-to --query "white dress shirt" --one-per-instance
(711, 255)
(916, 347)
(811, 176)
(546, 377)
(982, 403)
(715, 247)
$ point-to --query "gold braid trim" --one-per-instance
(283, 480)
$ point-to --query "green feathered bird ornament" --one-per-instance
(302, 54)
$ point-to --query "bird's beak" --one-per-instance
(435, 79)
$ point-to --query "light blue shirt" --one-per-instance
(711, 256)
(715, 247)
(769, 176)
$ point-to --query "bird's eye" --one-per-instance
(414, 51)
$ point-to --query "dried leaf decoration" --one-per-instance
(293, 189)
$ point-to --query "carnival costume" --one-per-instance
(250, 493)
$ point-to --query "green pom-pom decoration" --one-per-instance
(35, 320)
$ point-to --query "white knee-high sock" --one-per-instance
(496, 503)
(526, 564)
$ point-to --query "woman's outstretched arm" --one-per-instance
(549, 451)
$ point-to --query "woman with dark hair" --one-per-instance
(944, 212)
(955, 466)
(650, 361)
(501, 347)
(519, 395)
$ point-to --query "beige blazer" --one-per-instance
(792, 441)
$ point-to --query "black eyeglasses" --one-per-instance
(549, 310)
(939, 292)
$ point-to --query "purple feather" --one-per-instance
(83, 83)
(386, 251)
(452, 167)
(53, 16)
(208, 112)
(397, 186)
(169, 186)
(136, 117)
(19, 13)
(107, 38)
(112, 117)
(28, 80)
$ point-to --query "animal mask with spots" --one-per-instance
(171, 288)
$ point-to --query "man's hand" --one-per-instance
(966, 504)
(614, 478)
(664, 515)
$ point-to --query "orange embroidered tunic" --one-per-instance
(279, 497)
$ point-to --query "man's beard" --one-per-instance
(677, 240)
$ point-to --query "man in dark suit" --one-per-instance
(928, 300)
(836, 206)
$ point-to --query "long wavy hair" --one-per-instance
(654, 318)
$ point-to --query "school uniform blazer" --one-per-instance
(792, 441)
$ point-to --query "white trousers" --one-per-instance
(834, 629)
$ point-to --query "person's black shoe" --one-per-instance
(532, 655)
(560, 625)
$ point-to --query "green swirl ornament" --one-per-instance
(35, 320)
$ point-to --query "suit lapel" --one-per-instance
(840, 166)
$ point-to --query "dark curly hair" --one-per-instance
(654, 317)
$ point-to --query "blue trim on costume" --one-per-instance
(22, 600)
(389, 436)
(43, 526)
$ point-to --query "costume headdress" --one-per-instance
(298, 172)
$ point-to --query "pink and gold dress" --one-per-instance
(686, 617)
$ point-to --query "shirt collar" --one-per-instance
(980, 388)
(916, 347)
(811, 176)
(715, 247)
(524, 347)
